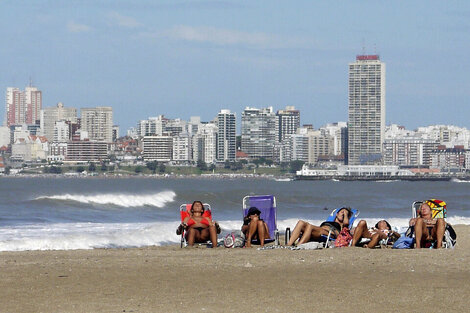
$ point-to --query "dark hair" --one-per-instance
(388, 225)
(350, 213)
(253, 210)
(197, 201)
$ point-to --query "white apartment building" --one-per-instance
(366, 122)
(258, 134)
(318, 144)
(4, 136)
(226, 136)
(205, 143)
(98, 123)
(409, 151)
(287, 122)
(339, 132)
(182, 148)
(152, 126)
(157, 148)
(61, 131)
(51, 115)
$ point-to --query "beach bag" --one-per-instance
(404, 243)
(234, 240)
(344, 238)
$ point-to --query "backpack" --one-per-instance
(235, 239)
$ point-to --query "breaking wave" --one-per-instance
(158, 200)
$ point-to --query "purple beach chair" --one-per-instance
(267, 205)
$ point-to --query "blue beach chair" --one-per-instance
(267, 205)
(331, 218)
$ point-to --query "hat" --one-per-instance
(253, 210)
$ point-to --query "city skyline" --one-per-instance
(201, 56)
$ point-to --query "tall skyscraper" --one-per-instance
(51, 115)
(226, 136)
(366, 124)
(288, 120)
(98, 123)
(22, 107)
(258, 132)
(33, 104)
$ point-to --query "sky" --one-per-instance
(194, 58)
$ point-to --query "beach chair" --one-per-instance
(328, 240)
(185, 212)
(267, 205)
(439, 211)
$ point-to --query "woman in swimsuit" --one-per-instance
(382, 230)
(306, 232)
(199, 228)
(428, 228)
(254, 227)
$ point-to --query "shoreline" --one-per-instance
(171, 279)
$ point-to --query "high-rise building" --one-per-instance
(22, 107)
(205, 143)
(98, 123)
(366, 124)
(157, 148)
(288, 120)
(33, 104)
(226, 136)
(51, 115)
(258, 132)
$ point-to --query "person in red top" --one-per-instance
(199, 228)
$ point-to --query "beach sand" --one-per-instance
(170, 279)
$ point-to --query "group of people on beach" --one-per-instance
(201, 228)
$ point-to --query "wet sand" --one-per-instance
(170, 279)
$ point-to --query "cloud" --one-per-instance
(77, 28)
(123, 21)
(217, 36)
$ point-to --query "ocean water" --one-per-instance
(43, 213)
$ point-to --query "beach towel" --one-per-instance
(404, 242)
(438, 208)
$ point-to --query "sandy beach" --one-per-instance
(170, 279)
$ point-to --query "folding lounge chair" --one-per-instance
(267, 205)
(331, 218)
(185, 212)
(450, 237)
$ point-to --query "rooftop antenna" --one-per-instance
(363, 47)
(30, 82)
(375, 48)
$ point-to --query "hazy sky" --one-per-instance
(186, 58)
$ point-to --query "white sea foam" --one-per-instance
(125, 200)
(72, 236)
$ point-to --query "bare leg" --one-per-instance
(192, 236)
(440, 230)
(420, 228)
(252, 230)
(374, 240)
(298, 229)
(360, 231)
(261, 232)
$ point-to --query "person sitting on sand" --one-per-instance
(426, 227)
(306, 232)
(254, 227)
(199, 228)
(380, 231)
